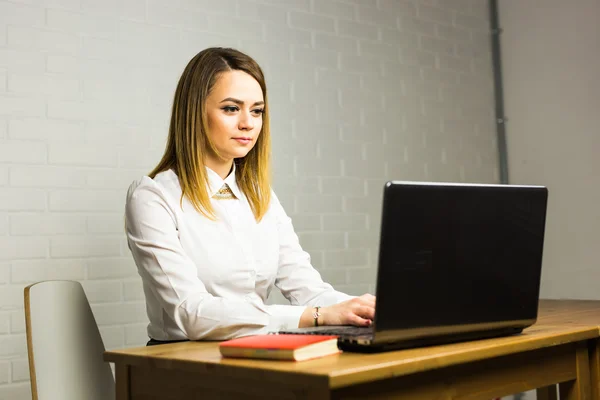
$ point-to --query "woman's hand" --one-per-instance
(359, 311)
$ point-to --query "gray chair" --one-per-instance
(64, 345)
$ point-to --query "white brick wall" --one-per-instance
(361, 90)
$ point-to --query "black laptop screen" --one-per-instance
(459, 254)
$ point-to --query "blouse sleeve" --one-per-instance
(297, 279)
(167, 271)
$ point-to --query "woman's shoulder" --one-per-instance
(164, 185)
(275, 206)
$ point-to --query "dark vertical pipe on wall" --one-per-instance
(498, 93)
(499, 100)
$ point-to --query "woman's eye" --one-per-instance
(230, 109)
(258, 112)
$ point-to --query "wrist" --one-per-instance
(306, 319)
(322, 316)
(316, 315)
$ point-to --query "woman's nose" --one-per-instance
(246, 122)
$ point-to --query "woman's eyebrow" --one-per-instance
(240, 102)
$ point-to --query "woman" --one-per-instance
(209, 237)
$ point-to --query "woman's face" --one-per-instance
(235, 109)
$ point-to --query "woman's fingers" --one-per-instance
(359, 311)
(364, 311)
(358, 321)
(368, 299)
(361, 315)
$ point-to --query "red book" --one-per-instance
(280, 347)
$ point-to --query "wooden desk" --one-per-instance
(573, 313)
(554, 351)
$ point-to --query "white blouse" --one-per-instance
(208, 279)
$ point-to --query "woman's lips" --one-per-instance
(243, 140)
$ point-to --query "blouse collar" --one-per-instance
(215, 182)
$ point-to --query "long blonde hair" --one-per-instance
(188, 143)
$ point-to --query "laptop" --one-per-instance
(456, 262)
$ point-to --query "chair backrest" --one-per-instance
(64, 344)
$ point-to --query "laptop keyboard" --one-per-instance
(336, 331)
